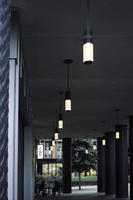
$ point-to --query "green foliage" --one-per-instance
(80, 160)
(59, 172)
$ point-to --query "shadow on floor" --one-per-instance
(86, 193)
(76, 197)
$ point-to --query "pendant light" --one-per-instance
(86, 151)
(60, 120)
(117, 132)
(51, 148)
(56, 135)
(88, 47)
(53, 142)
(103, 142)
(94, 146)
(94, 143)
(103, 130)
(117, 135)
(68, 93)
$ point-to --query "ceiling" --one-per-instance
(53, 31)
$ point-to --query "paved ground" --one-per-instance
(87, 193)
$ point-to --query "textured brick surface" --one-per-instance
(4, 90)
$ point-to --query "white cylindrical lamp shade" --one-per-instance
(67, 104)
(53, 143)
(117, 134)
(60, 124)
(86, 151)
(103, 142)
(68, 101)
(56, 136)
(94, 147)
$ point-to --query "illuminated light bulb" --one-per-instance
(86, 151)
(60, 124)
(56, 136)
(88, 53)
(117, 134)
(53, 143)
(68, 101)
(94, 146)
(68, 105)
(103, 142)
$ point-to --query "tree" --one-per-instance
(82, 161)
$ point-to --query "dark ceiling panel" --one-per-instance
(53, 31)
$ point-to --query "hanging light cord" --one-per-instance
(117, 115)
(56, 118)
(103, 126)
(68, 84)
(53, 129)
(60, 101)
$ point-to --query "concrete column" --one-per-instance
(110, 175)
(28, 170)
(121, 163)
(131, 155)
(67, 165)
(39, 168)
(13, 119)
(101, 165)
(21, 160)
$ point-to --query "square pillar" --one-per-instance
(121, 162)
(67, 165)
(28, 164)
(131, 155)
(110, 174)
(101, 165)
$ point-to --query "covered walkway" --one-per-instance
(41, 96)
